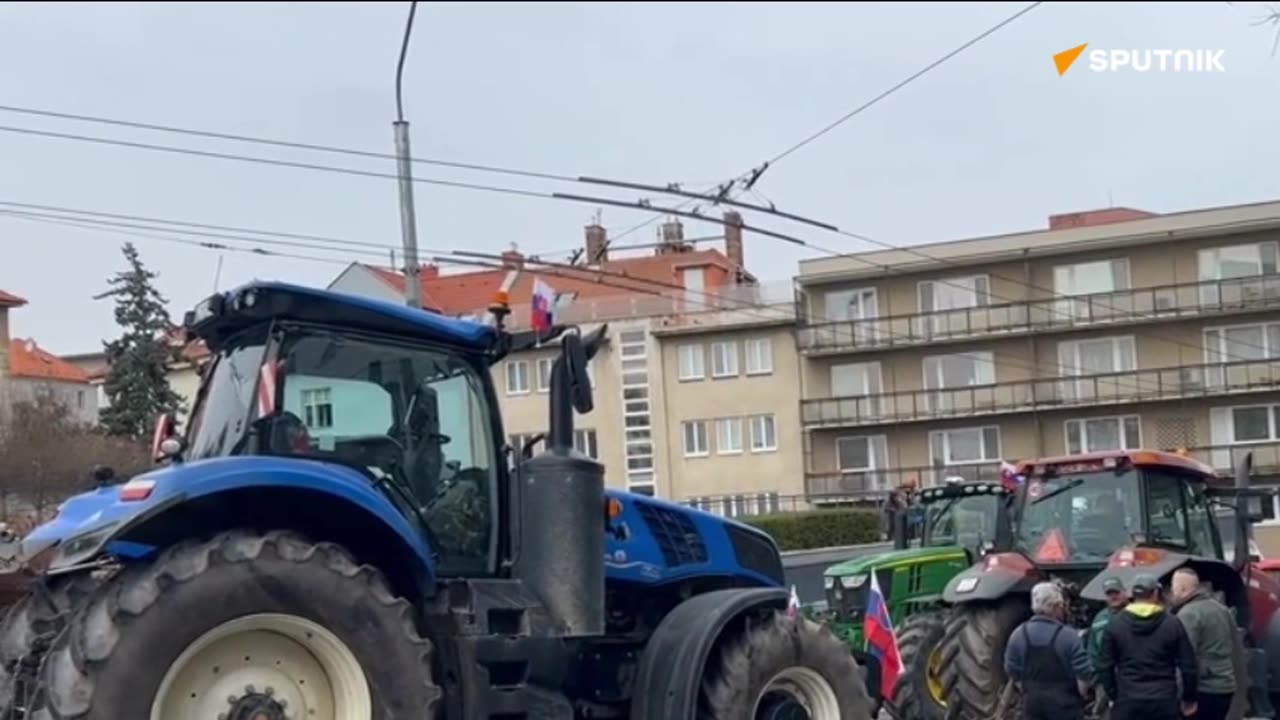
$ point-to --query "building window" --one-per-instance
(729, 436)
(518, 441)
(544, 374)
(862, 453)
(317, 408)
(80, 399)
(759, 356)
(965, 446)
(517, 377)
(961, 370)
(764, 436)
(637, 448)
(851, 380)
(1099, 434)
(695, 438)
(954, 293)
(1239, 344)
(1098, 356)
(724, 359)
(692, 362)
(584, 441)
(1089, 278)
(1234, 263)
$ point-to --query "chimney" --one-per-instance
(672, 238)
(512, 259)
(1097, 217)
(597, 244)
(428, 272)
(733, 238)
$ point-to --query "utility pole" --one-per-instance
(404, 166)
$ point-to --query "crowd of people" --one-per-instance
(1148, 655)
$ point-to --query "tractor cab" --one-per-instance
(973, 516)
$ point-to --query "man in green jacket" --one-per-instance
(1211, 628)
(1117, 599)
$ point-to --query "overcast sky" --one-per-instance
(992, 141)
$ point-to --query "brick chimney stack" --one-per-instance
(597, 244)
(672, 238)
(512, 258)
(733, 238)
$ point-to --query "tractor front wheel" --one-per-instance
(242, 626)
(918, 693)
(28, 627)
(785, 668)
(973, 677)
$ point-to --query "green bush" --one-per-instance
(821, 528)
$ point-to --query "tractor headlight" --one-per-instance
(851, 582)
(967, 585)
(83, 547)
(828, 583)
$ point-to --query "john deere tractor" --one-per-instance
(342, 534)
(962, 522)
(1081, 520)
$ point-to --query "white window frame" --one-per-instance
(522, 372)
(759, 353)
(871, 441)
(946, 445)
(543, 385)
(586, 442)
(725, 444)
(763, 446)
(859, 329)
(1216, 359)
(1083, 424)
(1209, 268)
(312, 400)
(980, 359)
(1070, 269)
(699, 428)
(936, 319)
(732, 367)
(696, 353)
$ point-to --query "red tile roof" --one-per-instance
(11, 300)
(27, 360)
(461, 293)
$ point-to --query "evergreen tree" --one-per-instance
(137, 385)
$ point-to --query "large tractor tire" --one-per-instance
(918, 694)
(241, 626)
(28, 628)
(781, 668)
(973, 677)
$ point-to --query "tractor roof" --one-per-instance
(1137, 458)
(224, 314)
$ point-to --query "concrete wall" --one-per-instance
(80, 399)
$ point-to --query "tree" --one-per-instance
(137, 383)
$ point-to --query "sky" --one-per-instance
(991, 141)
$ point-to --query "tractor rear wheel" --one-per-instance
(28, 627)
(784, 668)
(242, 626)
(973, 677)
(918, 693)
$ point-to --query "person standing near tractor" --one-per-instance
(1047, 660)
(1144, 648)
(1212, 631)
(1117, 599)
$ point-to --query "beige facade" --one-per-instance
(941, 360)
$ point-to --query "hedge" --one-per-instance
(821, 528)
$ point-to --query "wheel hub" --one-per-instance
(255, 706)
(781, 706)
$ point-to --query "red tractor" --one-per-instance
(1081, 519)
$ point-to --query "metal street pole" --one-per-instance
(404, 168)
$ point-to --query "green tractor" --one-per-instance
(962, 522)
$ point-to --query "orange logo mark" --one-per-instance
(1064, 59)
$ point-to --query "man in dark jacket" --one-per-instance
(1047, 660)
(1211, 628)
(1144, 649)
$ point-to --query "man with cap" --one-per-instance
(1144, 649)
(1047, 660)
(1117, 599)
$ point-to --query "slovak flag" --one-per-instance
(793, 603)
(1009, 476)
(544, 298)
(882, 644)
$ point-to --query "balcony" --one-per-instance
(1044, 315)
(1188, 381)
(861, 485)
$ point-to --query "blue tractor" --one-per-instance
(341, 533)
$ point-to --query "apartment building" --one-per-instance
(1110, 329)
(659, 430)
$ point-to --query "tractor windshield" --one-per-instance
(1080, 517)
(219, 420)
(968, 521)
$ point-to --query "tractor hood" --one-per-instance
(864, 563)
(94, 522)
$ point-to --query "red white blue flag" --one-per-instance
(793, 603)
(1009, 476)
(544, 298)
(882, 644)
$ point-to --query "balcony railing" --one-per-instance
(860, 485)
(1136, 305)
(1188, 381)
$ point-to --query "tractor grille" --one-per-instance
(851, 604)
(675, 534)
(756, 552)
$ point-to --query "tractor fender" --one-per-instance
(980, 584)
(669, 676)
(1126, 573)
(327, 502)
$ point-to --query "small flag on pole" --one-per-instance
(1009, 476)
(793, 603)
(544, 298)
(882, 644)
